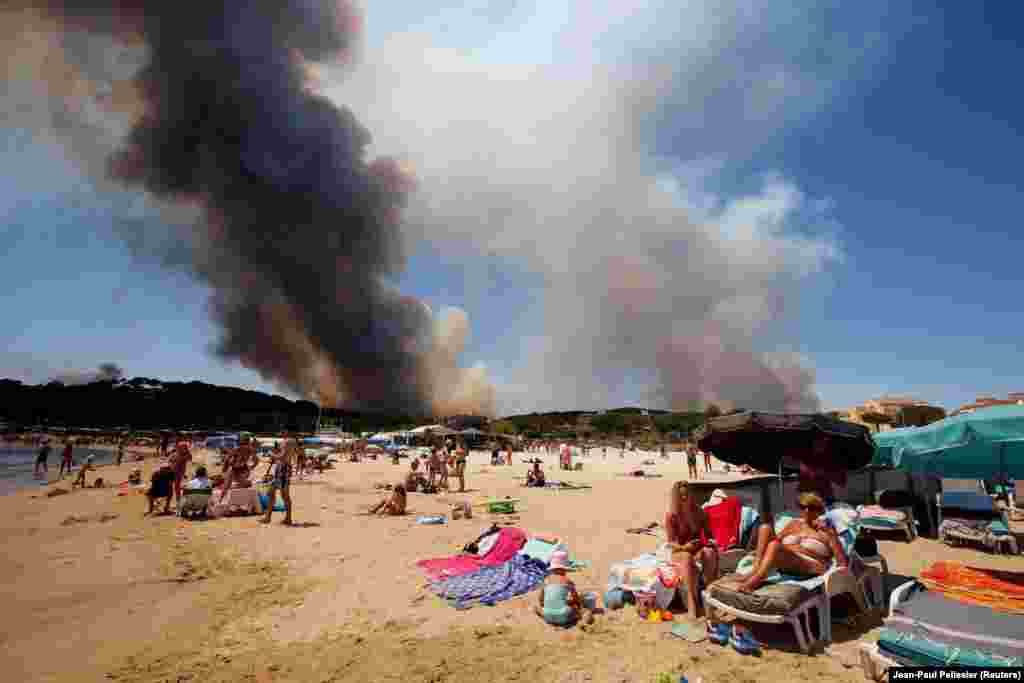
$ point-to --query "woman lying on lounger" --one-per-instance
(691, 541)
(395, 505)
(805, 547)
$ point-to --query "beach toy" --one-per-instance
(614, 599)
(431, 519)
(666, 615)
(654, 616)
(503, 507)
(589, 600)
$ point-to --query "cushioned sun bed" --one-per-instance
(925, 628)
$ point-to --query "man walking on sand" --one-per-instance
(707, 461)
(281, 481)
(67, 461)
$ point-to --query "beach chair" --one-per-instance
(890, 513)
(194, 503)
(790, 601)
(925, 628)
(730, 556)
(1017, 495)
(967, 517)
(970, 485)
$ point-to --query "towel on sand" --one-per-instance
(510, 540)
(490, 585)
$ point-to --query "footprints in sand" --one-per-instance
(85, 519)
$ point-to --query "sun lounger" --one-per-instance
(968, 517)
(884, 517)
(788, 600)
(971, 485)
(194, 503)
(925, 628)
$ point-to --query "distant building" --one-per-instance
(1012, 399)
(891, 406)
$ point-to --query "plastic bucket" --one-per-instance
(614, 599)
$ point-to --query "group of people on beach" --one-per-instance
(168, 480)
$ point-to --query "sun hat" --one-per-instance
(559, 560)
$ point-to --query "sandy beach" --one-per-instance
(99, 592)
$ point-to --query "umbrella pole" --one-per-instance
(782, 490)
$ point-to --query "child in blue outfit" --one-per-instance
(560, 603)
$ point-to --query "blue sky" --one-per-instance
(911, 132)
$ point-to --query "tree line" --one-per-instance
(146, 403)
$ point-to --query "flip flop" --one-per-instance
(688, 632)
(743, 642)
(718, 633)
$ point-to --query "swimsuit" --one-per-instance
(556, 605)
(282, 475)
(810, 546)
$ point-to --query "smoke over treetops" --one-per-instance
(106, 372)
(299, 230)
(647, 273)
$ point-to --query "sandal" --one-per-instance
(743, 642)
(718, 633)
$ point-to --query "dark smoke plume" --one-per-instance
(299, 230)
(106, 372)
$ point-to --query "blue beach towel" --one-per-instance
(491, 585)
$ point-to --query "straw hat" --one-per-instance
(559, 560)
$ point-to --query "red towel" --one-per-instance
(510, 541)
(724, 520)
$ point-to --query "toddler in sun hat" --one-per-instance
(560, 602)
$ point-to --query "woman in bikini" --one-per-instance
(691, 541)
(393, 505)
(805, 547)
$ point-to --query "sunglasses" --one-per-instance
(812, 508)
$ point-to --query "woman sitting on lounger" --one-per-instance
(691, 541)
(805, 547)
(395, 505)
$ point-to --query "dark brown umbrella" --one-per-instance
(784, 441)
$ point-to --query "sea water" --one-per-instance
(18, 462)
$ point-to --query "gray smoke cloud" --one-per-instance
(106, 372)
(212, 109)
(651, 278)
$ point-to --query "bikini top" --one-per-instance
(810, 544)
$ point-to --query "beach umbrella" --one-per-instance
(773, 442)
(983, 444)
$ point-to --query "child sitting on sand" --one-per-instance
(560, 603)
(394, 505)
(86, 467)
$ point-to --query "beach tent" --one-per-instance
(983, 444)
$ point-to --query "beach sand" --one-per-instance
(94, 591)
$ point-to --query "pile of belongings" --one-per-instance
(956, 616)
(499, 565)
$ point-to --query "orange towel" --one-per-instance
(1002, 591)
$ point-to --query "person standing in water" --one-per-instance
(41, 468)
